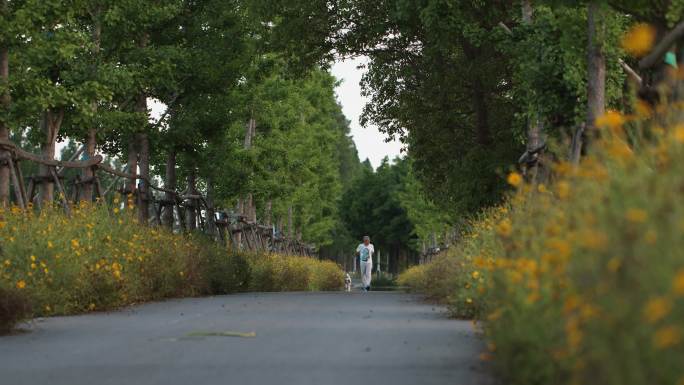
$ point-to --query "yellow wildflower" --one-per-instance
(639, 40)
(611, 119)
(475, 274)
(561, 247)
(495, 315)
(8, 262)
(636, 215)
(533, 297)
(74, 243)
(504, 228)
(563, 189)
(678, 133)
(50, 245)
(33, 266)
(514, 179)
(678, 283)
(594, 240)
(614, 264)
(21, 284)
(619, 150)
(656, 309)
(33, 258)
(643, 109)
(666, 337)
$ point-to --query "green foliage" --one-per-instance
(551, 72)
(371, 206)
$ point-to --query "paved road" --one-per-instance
(301, 338)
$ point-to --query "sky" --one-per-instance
(369, 141)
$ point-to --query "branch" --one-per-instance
(633, 74)
(21, 154)
(505, 28)
(122, 174)
(168, 108)
(662, 47)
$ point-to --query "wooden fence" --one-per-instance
(189, 211)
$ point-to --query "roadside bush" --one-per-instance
(14, 307)
(97, 259)
(457, 277)
(226, 273)
(326, 276)
(272, 272)
(414, 279)
(100, 259)
(581, 281)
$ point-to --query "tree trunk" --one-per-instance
(290, 230)
(88, 173)
(190, 213)
(211, 214)
(248, 205)
(132, 165)
(4, 129)
(91, 140)
(144, 190)
(534, 125)
(169, 184)
(481, 114)
(526, 11)
(251, 208)
(52, 121)
(267, 213)
(596, 77)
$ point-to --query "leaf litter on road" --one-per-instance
(221, 334)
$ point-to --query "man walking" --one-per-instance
(365, 253)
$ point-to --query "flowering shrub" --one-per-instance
(581, 281)
(100, 259)
(274, 272)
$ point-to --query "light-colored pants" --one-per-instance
(366, 268)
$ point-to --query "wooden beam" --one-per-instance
(21, 154)
(62, 193)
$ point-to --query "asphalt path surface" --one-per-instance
(353, 338)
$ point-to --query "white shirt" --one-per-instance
(366, 252)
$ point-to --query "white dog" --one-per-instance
(347, 282)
